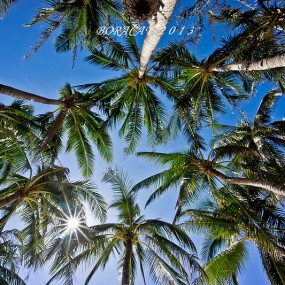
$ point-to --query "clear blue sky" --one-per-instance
(44, 73)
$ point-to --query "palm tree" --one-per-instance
(9, 258)
(217, 167)
(245, 155)
(19, 133)
(227, 72)
(157, 29)
(129, 98)
(82, 125)
(79, 20)
(73, 116)
(232, 220)
(260, 20)
(256, 29)
(262, 135)
(152, 244)
(202, 93)
(47, 196)
(48, 186)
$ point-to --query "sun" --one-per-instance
(73, 223)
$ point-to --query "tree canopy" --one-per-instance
(195, 93)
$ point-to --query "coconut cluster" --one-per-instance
(141, 10)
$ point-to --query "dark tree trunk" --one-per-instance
(54, 128)
(19, 94)
(10, 199)
(127, 263)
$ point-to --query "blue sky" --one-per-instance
(44, 73)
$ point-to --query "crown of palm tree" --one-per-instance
(202, 93)
(194, 171)
(139, 243)
(230, 220)
(48, 201)
(10, 258)
(261, 20)
(82, 125)
(79, 21)
(128, 98)
(263, 135)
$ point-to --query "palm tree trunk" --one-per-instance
(156, 30)
(53, 129)
(277, 189)
(19, 94)
(10, 199)
(127, 263)
(264, 64)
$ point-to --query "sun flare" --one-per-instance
(73, 223)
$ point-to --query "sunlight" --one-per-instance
(73, 223)
(73, 226)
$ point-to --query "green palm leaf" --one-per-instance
(223, 266)
(158, 246)
(274, 268)
(9, 277)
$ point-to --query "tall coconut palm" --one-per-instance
(157, 29)
(82, 125)
(10, 258)
(217, 167)
(74, 116)
(79, 20)
(129, 98)
(241, 158)
(235, 218)
(227, 72)
(47, 196)
(259, 30)
(19, 135)
(204, 93)
(263, 135)
(139, 243)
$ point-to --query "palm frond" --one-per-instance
(227, 263)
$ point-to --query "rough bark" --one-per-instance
(156, 30)
(54, 128)
(10, 199)
(264, 64)
(126, 273)
(19, 94)
(277, 189)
